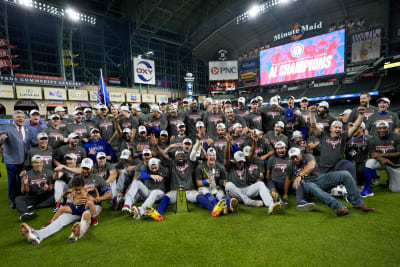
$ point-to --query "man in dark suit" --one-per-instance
(16, 141)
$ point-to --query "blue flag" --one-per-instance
(102, 94)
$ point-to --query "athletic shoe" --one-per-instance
(218, 208)
(153, 214)
(342, 211)
(30, 234)
(233, 207)
(30, 207)
(274, 208)
(367, 192)
(126, 210)
(305, 206)
(76, 231)
(274, 195)
(120, 201)
(136, 213)
(94, 221)
(48, 223)
(256, 203)
(27, 216)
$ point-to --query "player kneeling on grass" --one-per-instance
(76, 194)
(211, 176)
(313, 182)
(243, 181)
(148, 185)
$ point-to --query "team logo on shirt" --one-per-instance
(257, 118)
(195, 117)
(333, 142)
(87, 185)
(182, 168)
(56, 135)
(156, 124)
(80, 131)
(290, 125)
(324, 123)
(281, 166)
(126, 124)
(47, 158)
(39, 181)
(273, 114)
(367, 114)
(215, 119)
(240, 173)
(253, 168)
(388, 120)
(106, 124)
(385, 148)
(102, 173)
(220, 144)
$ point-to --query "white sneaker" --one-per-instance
(136, 213)
(274, 208)
(30, 234)
(256, 203)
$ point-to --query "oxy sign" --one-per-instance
(144, 71)
(223, 70)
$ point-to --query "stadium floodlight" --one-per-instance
(72, 14)
(150, 53)
(25, 3)
(253, 12)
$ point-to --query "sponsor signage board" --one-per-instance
(79, 95)
(223, 70)
(6, 91)
(366, 45)
(54, 93)
(29, 92)
(39, 81)
(144, 71)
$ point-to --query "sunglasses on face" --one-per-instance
(55, 119)
(85, 169)
(102, 158)
(43, 138)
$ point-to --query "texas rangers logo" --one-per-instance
(182, 168)
(240, 173)
(253, 168)
(297, 50)
(334, 142)
(385, 149)
(105, 124)
(281, 166)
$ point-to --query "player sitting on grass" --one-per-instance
(77, 192)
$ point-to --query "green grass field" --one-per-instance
(250, 238)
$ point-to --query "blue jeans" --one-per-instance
(342, 165)
(327, 181)
(14, 182)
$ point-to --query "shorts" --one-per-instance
(77, 209)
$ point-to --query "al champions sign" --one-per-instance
(144, 71)
(298, 31)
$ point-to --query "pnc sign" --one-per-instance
(144, 71)
(223, 70)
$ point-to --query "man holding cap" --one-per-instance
(323, 115)
(384, 148)
(55, 133)
(72, 147)
(35, 125)
(42, 150)
(127, 120)
(37, 189)
(241, 110)
(96, 145)
(383, 114)
(306, 175)
(78, 127)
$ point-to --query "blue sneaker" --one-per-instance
(367, 192)
(305, 206)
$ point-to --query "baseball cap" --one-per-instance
(236, 125)
(362, 125)
(142, 129)
(146, 151)
(246, 151)
(253, 100)
(42, 135)
(304, 99)
(228, 110)
(174, 99)
(164, 132)
(200, 124)
(154, 161)
(211, 150)
(273, 101)
(136, 107)
(294, 151)
(162, 102)
(239, 156)
(97, 106)
(193, 101)
(278, 97)
(87, 163)
(347, 111)
(125, 154)
(289, 114)
(76, 112)
(213, 101)
(124, 108)
(179, 152)
(292, 97)
(280, 143)
(259, 98)
(187, 140)
(323, 104)
(94, 130)
(383, 99)
(77, 107)
(185, 100)
(221, 125)
(173, 107)
(382, 123)
(228, 100)
(102, 107)
(180, 124)
(155, 108)
(71, 156)
(73, 135)
(59, 109)
(36, 157)
(126, 130)
(242, 100)
(296, 134)
(54, 116)
(208, 99)
(100, 154)
(87, 110)
(280, 124)
(34, 111)
(114, 107)
(337, 122)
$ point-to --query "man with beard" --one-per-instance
(240, 140)
(163, 141)
(207, 104)
(323, 116)
(55, 133)
(239, 185)
(307, 176)
(125, 141)
(277, 134)
(385, 154)
(141, 142)
(260, 101)
(78, 127)
(210, 178)
(333, 144)
(241, 110)
(253, 119)
(96, 145)
(365, 98)
(72, 147)
(383, 114)
(42, 150)
(35, 125)
(297, 141)
(192, 117)
(175, 119)
(104, 169)
(157, 120)
(127, 120)
(293, 122)
(271, 114)
(137, 112)
(60, 111)
(108, 127)
(87, 119)
(212, 118)
(231, 119)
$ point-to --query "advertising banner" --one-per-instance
(29, 92)
(162, 98)
(366, 45)
(78, 95)
(148, 98)
(248, 65)
(313, 57)
(133, 97)
(39, 81)
(54, 93)
(6, 91)
(144, 71)
(247, 75)
(93, 96)
(223, 70)
(117, 96)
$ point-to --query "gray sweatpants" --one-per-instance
(244, 194)
(138, 191)
(204, 190)
(393, 174)
(118, 184)
(190, 196)
(59, 188)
